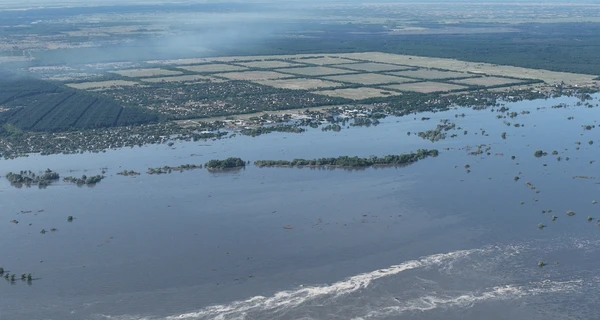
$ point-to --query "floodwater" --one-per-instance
(426, 241)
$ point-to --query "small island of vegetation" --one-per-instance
(29, 178)
(84, 180)
(168, 169)
(128, 173)
(352, 162)
(229, 163)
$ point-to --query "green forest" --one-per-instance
(36, 105)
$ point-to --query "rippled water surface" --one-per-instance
(427, 241)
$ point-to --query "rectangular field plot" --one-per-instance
(140, 73)
(300, 84)
(368, 78)
(426, 87)
(269, 64)
(487, 81)
(358, 93)
(185, 78)
(324, 60)
(253, 75)
(314, 71)
(102, 84)
(212, 68)
(430, 74)
(373, 67)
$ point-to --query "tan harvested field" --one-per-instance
(212, 68)
(140, 73)
(550, 77)
(253, 75)
(368, 78)
(325, 60)
(185, 78)
(430, 74)
(300, 84)
(269, 64)
(488, 81)
(358, 93)
(425, 87)
(314, 71)
(373, 67)
(102, 84)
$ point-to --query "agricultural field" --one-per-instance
(426, 87)
(488, 81)
(315, 71)
(550, 77)
(358, 93)
(300, 84)
(268, 64)
(36, 105)
(253, 75)
(368, 78)
(432, 74)
(142, 73)
(226, 86)
(102, 84)
(184, 78)
(373, 67)
(325, 60)
(212, 68)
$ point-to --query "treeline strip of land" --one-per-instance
(352, 162)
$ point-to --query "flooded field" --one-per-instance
(464, 235)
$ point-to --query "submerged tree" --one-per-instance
(541, 263)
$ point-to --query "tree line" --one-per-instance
(352, 162)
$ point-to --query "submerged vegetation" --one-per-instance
(167, 169)
(28, 178)
(352, 162)
(128, 173)
(229, 163)
(84, 180)
(254, 132)
(439, 133)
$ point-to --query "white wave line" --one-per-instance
(505, 292)
(293, 298)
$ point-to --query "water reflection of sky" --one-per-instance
(166, 244)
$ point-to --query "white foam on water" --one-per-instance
(464, 300)
(292, 298)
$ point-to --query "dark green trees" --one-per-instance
(229, 163)
(353, 162)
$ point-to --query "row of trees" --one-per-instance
(167, 169)
(354, 162)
